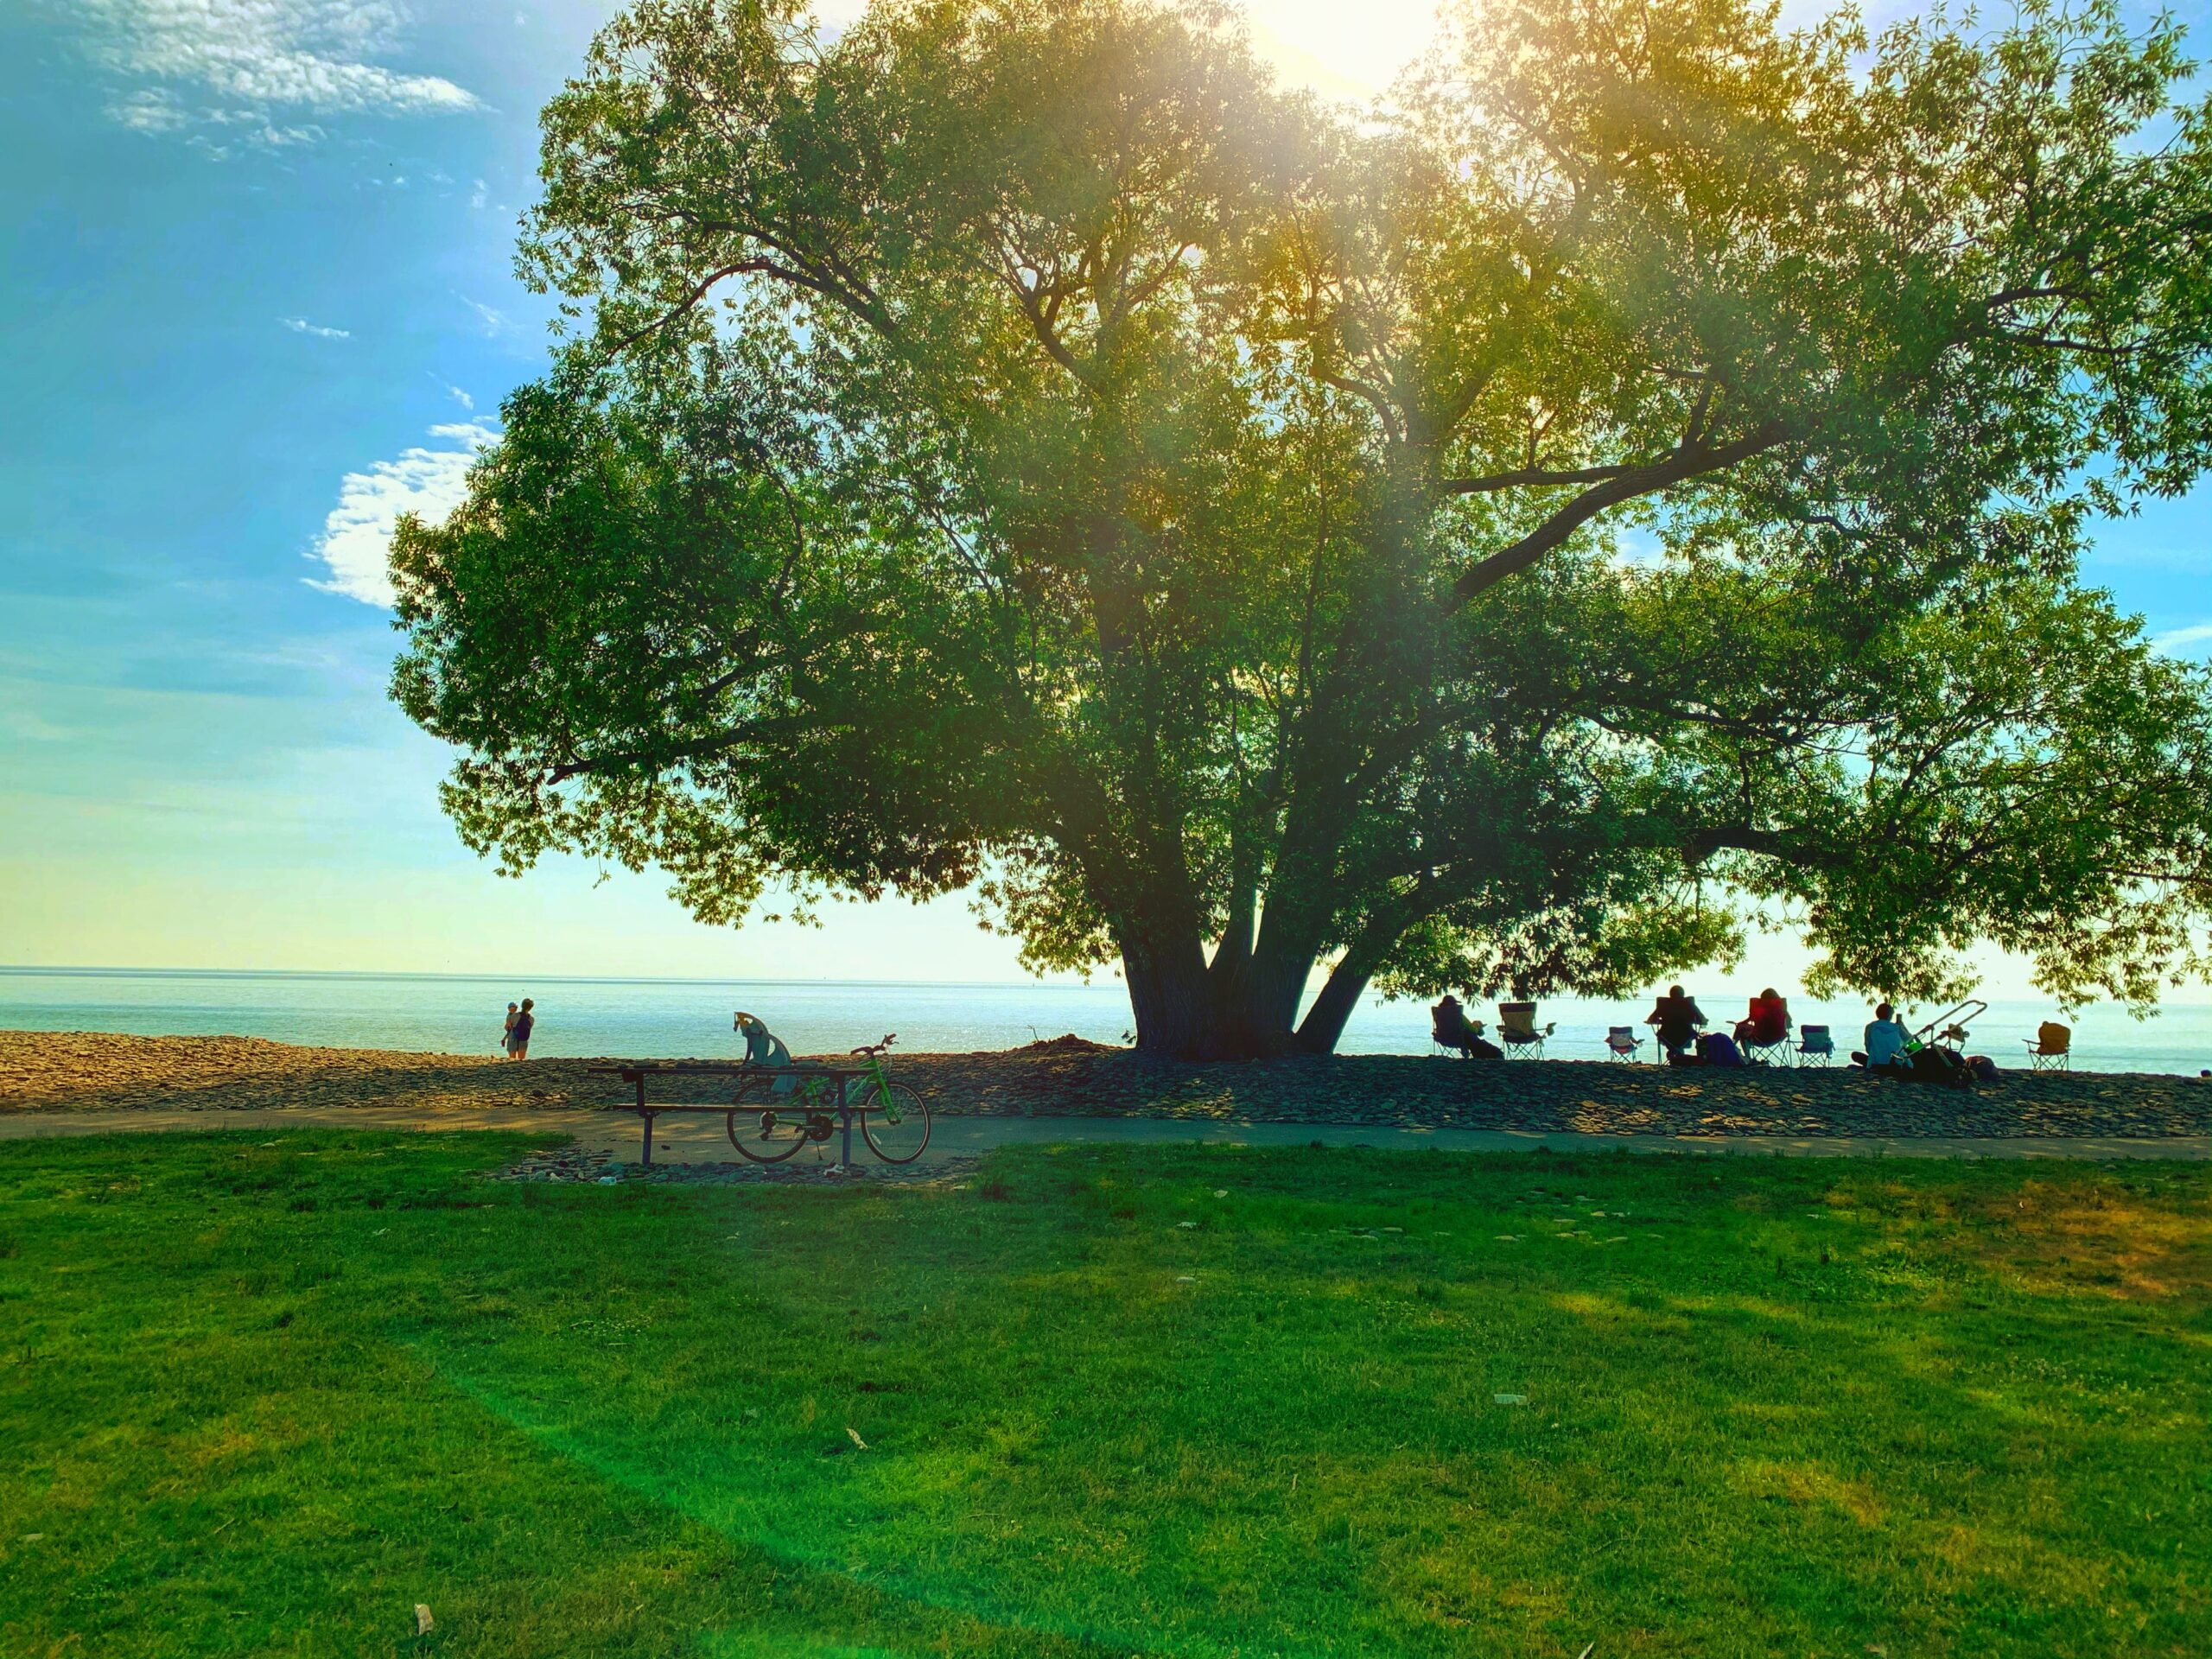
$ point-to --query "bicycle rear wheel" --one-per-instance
(767, 1133)
(894, 1122)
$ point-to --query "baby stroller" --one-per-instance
(1935, 1052)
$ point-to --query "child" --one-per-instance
(507, 1034)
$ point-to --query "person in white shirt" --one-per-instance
(1886, 1037)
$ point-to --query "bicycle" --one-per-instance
(893, 1117)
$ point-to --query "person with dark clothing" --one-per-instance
(1678, 1017)
(1767, 1022)
(1448, 1025)
(1718, 1048)
(518, 1038)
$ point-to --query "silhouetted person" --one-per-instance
(1448, 1025)
(1678, 1017)
(1767, 1022)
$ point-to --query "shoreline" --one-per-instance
(81, 1071)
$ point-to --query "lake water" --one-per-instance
(665, 1017)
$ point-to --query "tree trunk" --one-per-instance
(1166, 969)
(1255, 1007)
(1324, 1025)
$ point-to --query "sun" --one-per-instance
(1340, 49)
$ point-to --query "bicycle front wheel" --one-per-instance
(894, 1122)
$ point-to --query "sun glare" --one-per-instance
(1341, 50)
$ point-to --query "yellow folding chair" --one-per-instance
(1516, 1030)
(2053, 1048)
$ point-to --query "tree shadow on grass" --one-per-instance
(1104, 1402)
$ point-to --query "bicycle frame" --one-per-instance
(811, 1094)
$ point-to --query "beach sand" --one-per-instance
(88, 1070)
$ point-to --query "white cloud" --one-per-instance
(151, 109)
(453, 391)
(356, 539)
(495, 321)
(2178, 641)
(302, 326)
(249, 57)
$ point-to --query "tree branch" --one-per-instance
(662, 756)
(1679, 467)
(1522, 478)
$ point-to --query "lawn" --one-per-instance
(265, 1398)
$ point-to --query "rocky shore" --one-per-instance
(82, 1071)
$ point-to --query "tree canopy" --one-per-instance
(1628, 483)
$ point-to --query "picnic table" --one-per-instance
(647, 1110)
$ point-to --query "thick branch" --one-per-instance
(1539, 478)
(1681, 465)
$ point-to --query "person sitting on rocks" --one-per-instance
(1886, 1041)
(1677, 1016)
(1448, 1025)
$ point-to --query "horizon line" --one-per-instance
(110, 972)
(30, 970)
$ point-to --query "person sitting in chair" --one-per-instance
(1448, 1025)
(1678, 1016)
(1767, 1023)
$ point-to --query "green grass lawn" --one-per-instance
(263, 1399)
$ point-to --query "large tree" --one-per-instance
(1627, 483)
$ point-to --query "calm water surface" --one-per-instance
(456, 1014)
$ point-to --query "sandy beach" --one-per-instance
(99, 1072)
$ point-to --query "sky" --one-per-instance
(256, 299)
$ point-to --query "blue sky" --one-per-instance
(256, 295)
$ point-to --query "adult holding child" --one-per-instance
(518, 1033)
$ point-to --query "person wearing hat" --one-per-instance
(762, 1045)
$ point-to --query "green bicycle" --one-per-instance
(778, 1110)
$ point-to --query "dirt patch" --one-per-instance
(2120, 1238)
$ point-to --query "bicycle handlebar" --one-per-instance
(873, 1049)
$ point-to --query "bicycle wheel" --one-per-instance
(767, 1133)
(894, 1122)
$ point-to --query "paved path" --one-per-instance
(685, 1138)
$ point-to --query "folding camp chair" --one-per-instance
(1622, 1042)
(2053, 1048)
(1517, 1029)
(1776, 1052)
(1437, 1043)
(1815, 1046)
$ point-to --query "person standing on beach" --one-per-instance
(518, 1038)
(507, 1036)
